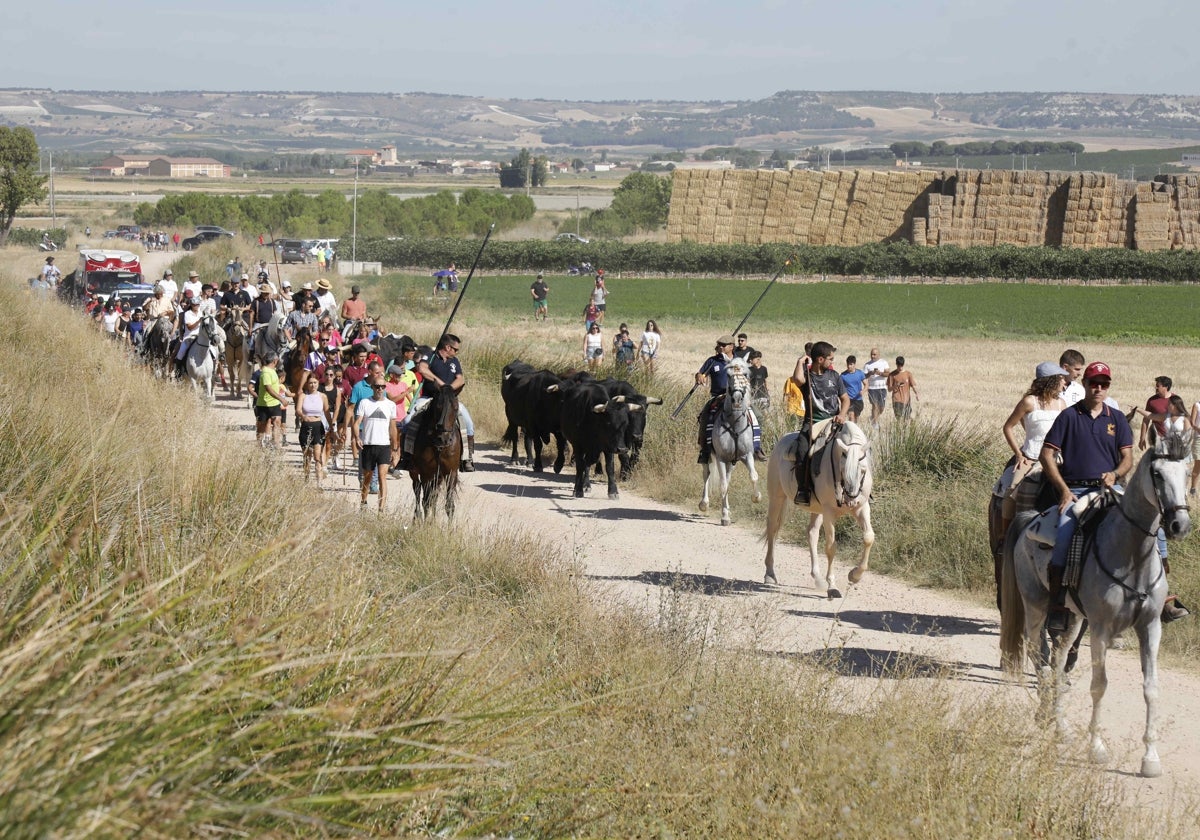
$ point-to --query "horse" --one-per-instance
(237, 356)
(202, 356)
(437, 452)
(841, 487)
(156, 348)
(1122, 584)
(268, 338)
(292, 367)
(732, 439)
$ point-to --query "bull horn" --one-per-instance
(653, 400)
(636, 407)
(619, 398)
(550, 389)
(600, 409)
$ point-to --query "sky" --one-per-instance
(604, 50)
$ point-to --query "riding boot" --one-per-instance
(759, 455)
(705, 454)
(467, 464)
(803, 492)
(406, 450)
(1058, 619)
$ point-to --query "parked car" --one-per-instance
(212, 228)
(323, 244)
(124, 230)
(293, 250)
(111, 234)
(194, 242)
(570, 237)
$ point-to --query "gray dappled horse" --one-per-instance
(268, 338)
(732, 438)
(202, 357)
(841, 487)
(1122, 584)
(156, 348)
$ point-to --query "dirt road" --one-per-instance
(636, 550)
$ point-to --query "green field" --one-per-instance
(1128, 314)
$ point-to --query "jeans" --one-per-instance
(1067, 523)
(464, 416)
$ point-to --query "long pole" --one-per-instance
(738, 328)
(467, 282)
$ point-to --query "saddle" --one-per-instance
(1090, 509)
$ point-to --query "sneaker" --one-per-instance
(465, 465)
(803, 497)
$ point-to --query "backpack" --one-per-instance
(793, 398)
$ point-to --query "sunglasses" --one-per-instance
(1096, 383)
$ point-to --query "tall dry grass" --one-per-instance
(194, 642)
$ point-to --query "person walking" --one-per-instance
(853, 379)
(268, 405)
(649, 346)
(600, 296)
(316, 422)
(903, 387)
(593, 347)
(539, 291)
(374, 431)
(877, 371)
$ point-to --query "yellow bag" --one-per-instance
(793, 398)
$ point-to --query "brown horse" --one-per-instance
(437, 453)
(237, 359)
(293, 363)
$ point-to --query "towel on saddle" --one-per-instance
(822, 434)
(1089, 511)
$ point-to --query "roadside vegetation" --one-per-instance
(193, 640)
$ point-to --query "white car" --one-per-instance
(570, 237)
(323, 244)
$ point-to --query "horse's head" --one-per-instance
(739, 384)
(1169, 469)
(852, 457)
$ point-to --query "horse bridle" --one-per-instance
(1163, 511)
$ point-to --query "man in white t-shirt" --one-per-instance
(170, 287)
(375, 436)
(193, 283)
(1072, 362)
(248, 287)
(326, 302)
(876, 371)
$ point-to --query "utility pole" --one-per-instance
(577, 188)
(354, 222)
(53, 215)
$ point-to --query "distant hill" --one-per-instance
(262, 121)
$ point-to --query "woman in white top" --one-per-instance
(593, 347)
(1034, 414)
(600, 295)
(651, 341)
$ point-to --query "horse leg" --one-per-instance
(755, 494)
(776, 504)
(724, 473)
(863, 515)
(830, 518)
(814, 528)
(704, 495)
(1100, 641)
(1148, 639)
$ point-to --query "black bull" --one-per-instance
(596, 425)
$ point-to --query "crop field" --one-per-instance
(1168, 315)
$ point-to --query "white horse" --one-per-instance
(732, 439)
(269, 338)
(841, 487)
(202, 356)
(1122, 584)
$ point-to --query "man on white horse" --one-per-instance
(1096, 446)
(716, 370)
(191, 329)
(828, 403)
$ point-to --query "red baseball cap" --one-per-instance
(1097, 369)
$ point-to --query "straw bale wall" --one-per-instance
(926, 207)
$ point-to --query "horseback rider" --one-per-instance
(441, 368)
(716, 370)
(1096, 446)
(191, 329)
(160, 307)
(828, 403)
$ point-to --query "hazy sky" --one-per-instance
(603, 49)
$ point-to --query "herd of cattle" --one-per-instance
(598, 418)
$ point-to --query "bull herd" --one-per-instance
(598, 418)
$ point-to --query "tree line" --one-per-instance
(940, 148)
(331, 214)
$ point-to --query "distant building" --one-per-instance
(123, 166)
(1190, 160)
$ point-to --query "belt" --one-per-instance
(1087, 482)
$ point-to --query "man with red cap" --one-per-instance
(1096, 445)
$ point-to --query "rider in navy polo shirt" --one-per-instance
(442, 367)
(1096, 445)
(716, 369)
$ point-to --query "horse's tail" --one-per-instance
(1012, 608)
